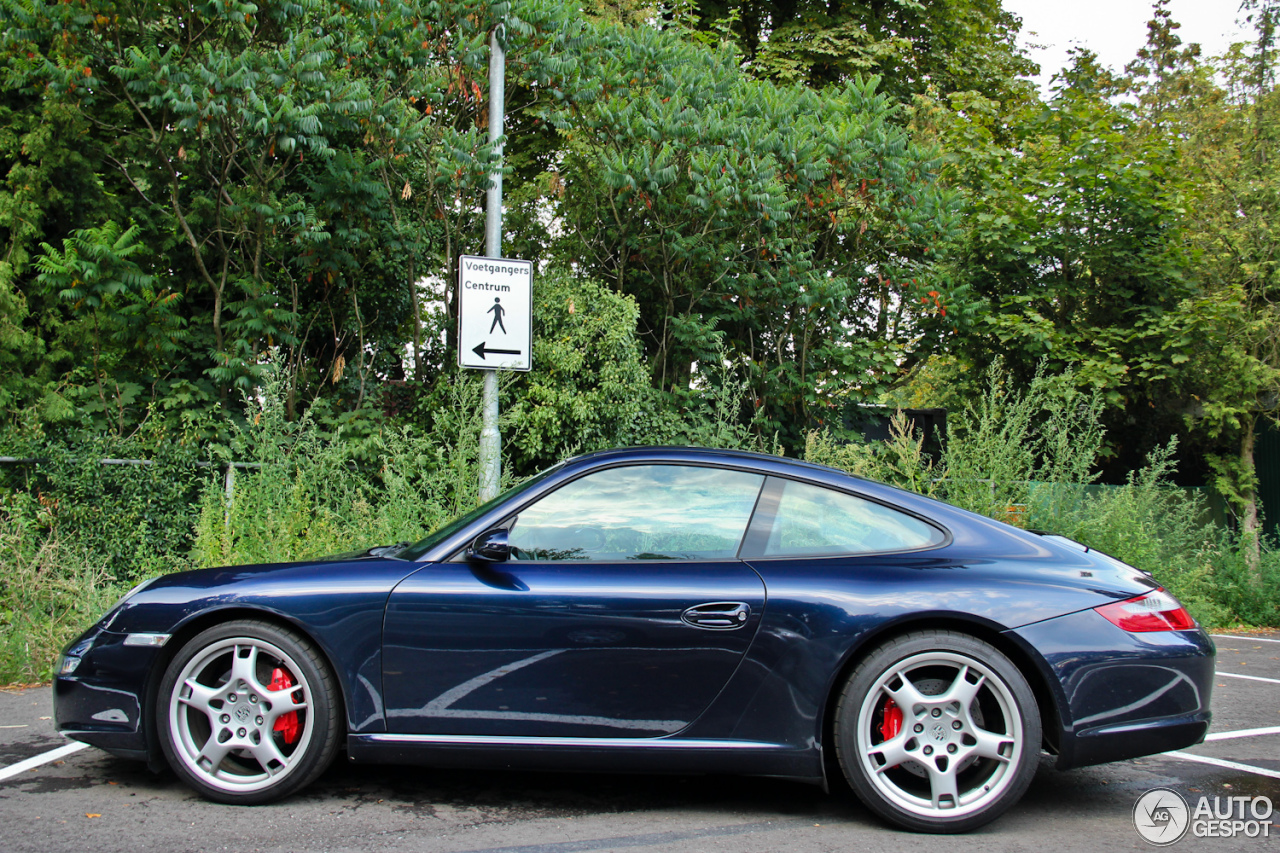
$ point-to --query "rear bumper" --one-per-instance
(1115, 743)
(1123, 695)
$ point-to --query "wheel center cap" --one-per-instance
(939, 732)
(243, 713)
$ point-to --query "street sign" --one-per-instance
(495, 313)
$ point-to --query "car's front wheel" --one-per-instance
(248, 712)
(938, 731)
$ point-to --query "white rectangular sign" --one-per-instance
(495, 313)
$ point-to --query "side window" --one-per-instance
(640, 512)
(812, 521)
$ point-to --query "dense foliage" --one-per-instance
(826, 202)
(188, 185)
(946, 45)
(229, 233)
(192, 185)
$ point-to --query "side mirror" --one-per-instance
(491, 547)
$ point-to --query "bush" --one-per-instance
(49, 592)
(311, 494)
(75, 534)
(589, 389)
(1245, 596)
(134, 519)
(1148, 524)
(1027, 456)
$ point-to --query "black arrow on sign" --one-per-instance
(482, 349)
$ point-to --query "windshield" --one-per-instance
(422, 546)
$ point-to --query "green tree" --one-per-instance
(1074, 239)
(292, 170)
(790, 232)
(1231, 140)
(47, 189)
(128, 322)
(912, 45)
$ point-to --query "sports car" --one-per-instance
(672, 610)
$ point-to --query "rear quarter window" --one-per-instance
(813, 521)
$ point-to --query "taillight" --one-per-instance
(1155, 611)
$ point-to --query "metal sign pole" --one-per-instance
(490, 437)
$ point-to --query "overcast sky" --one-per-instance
(1115, 29)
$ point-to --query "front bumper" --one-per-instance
(1123, 695)
(103, 701)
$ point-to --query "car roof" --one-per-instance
(689, 453)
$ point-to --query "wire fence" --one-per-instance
(1215, 507)
(229, 478)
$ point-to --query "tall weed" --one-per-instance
(1245, 596)
(310, 495)
(1148, 524)
(1010, 437)
(49, 592)
(996, 448)
(1032, 451)
(901, 461)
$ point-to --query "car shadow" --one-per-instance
(500, 795)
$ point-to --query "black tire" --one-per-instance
(248, 712)
(937, 731)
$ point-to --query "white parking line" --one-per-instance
(1248, 677)
(1230, 765)
(1238, 637)
(43, 758)
(1270, 730)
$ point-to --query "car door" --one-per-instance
(622, 612)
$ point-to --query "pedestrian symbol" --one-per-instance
(497, 311)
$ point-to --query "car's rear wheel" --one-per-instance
(937, 731)
(248, 712)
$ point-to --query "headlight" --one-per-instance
(71, 657)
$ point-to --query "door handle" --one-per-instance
(717, 615)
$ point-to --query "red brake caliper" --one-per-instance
(288, 723)
(891, 725)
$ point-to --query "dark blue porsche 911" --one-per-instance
(665, 610)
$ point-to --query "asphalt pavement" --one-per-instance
(55, 797)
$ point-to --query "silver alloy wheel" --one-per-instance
(958, 748)
(223, 713)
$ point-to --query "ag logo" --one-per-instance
(1161, 816)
